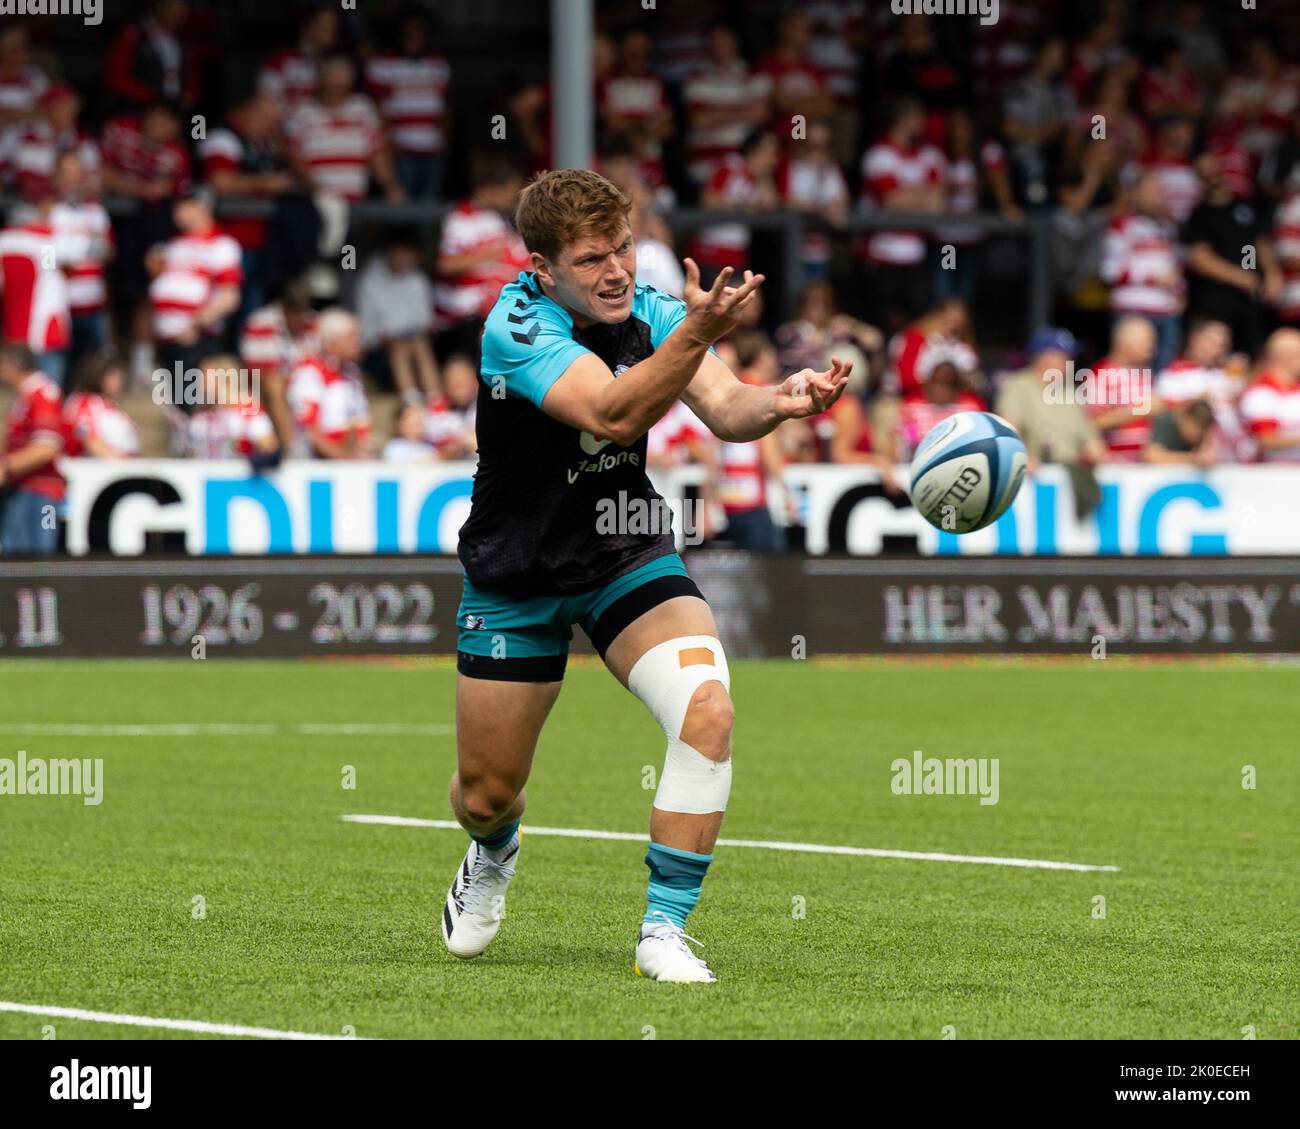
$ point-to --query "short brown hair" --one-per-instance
(562, 205)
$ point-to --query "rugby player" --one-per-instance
(578, 362)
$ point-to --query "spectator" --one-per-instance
(1169, 85)
(412, 88)
(31, 486)
(656, 260)
(919, 69)
(798, 84)
(1271, 406)
(93, 419)
(54, 132)
(1140, 262)
(1122, 400)
(337, 140)
(725, 101)
(275, 340)
(1107, 120)
(1224, 285)
(395, 304)
(34, 290)
(326, 394)
(1201, 373)
(1170, 159)
(633, 99)
(1183, 435)
(480, 251)
(819, 330)
(525, 105)
(408, 444)
(1286, 245)
(943, 332)
(968, 169)
(743, 183)
(245, 160)
(810, 181)
(21, 89)
(940, 397)
(449, 423)
(84, 245)
(227, 424)
(146, 62)
(1038, 108)
(1055, 428)
(145, 161)
(292, 76)
(1261, 99)
(900, 174)
(744, 470)
(197, 279)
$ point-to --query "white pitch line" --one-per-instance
(229, 729)
(763, 844)
(198, 1026)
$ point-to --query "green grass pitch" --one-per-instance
(315, 924)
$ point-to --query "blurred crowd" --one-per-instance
(1160, 142)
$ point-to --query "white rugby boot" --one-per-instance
(663, 954)
(476, 901)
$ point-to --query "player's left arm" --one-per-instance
(739, 413)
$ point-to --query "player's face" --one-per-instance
(594, 278)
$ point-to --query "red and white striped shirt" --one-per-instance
(913, 355)
(667, 441)
(1119, 386)
(469, 229)
(290, 77)
(227, 431)
(1269, 407)
(448, 428)
(337, 144)
(1286, 241)
(1140, 262)
(36, 416)
(35, 298)
(727, 244)
(88, 415)
(812, 186)
(83, 236)
(38, 151)
(267, 344)
(636, 98)
(1180, 181)
(193, 267)
(330, 401)
(128, 151)
(737, 89)
(918, 416)
(1185, 381)
(885, 169)
(19, 93)
(412, 96)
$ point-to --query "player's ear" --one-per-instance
(543, 269)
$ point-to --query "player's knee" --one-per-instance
(709, 720)
(486, 800)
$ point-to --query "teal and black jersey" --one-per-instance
(542, 486)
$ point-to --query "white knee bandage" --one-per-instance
(665, 678)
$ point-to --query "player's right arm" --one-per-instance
(587, 397)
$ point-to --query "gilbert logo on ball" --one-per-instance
(967, 471)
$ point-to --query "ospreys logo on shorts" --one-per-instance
(475, 622)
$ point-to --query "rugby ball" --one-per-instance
(967, 471)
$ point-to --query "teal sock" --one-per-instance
(498, 838)
(675, 880)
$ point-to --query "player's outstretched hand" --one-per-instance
(807, 393)
(713, 313)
